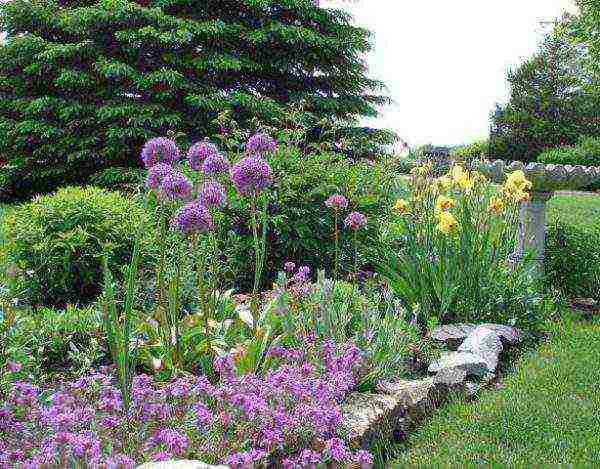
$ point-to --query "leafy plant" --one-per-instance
(449, 242)
(50, 344)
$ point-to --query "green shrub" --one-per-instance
(473, 151)
(573, 256)
(300, 225)
(54, 244)
(585, 153)
(52, 343)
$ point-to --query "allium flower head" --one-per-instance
(156, 174)
(192, 218)
(355, 221)
(215, 164)
(199, 152)
(159, 150)
(251, 175)
(175, 186)
(212, 194)
(337, 202)
(261, 143)
(289, 267)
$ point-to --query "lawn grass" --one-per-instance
(546, 415)
(580, 209)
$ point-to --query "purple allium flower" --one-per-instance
(302, 275)
(156, 174)
(175, 186)
(337, 202)
(159, 150)
(289, 267)
(14, 367)
(192, 218)
(199, 152)
(261, 143)
(251, 175)
(355, 221)
(212, 194)
(215, 164)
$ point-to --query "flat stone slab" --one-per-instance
(453, 333)
(452, 378)
(369, 417)
(469, 362)
(179, 464)
(485, 343)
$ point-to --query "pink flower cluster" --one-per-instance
(290, 417)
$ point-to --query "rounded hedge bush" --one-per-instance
(572, 255)
(585, 153)
(55, 244)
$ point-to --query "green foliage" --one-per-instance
(572, 256)
(51, 343)
(123, 179)
(551, 104)
(54, 244)
(300, 226)
(466, 154)
(585, 153)
(540, 418)
(84, 84)
(370, 317)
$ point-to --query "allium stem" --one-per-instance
(259, 250)
(200, 274)
(355, 256)
(160, 276)
(336, 259)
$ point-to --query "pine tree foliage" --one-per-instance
(83, 83)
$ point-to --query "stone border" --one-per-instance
(400, 405)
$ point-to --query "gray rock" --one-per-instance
(485, 343)
(509, 335)
(179, 464)
(452, 378)
(469, 362)
(452, 334)
(371, 417)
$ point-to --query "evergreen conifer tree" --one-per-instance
(83, 83)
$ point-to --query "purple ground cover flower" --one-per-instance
(260, 144)
(251, 175)
(156, 174)
(175, 186)
(212, 194)
(337, 202)
(199, 152)
(159, 150)
(287, 409)
(215, 164)
(355, 221)
(193, 217)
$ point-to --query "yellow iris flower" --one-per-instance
(401, 206)
(447, 223)
(497, 205)
(444, 203)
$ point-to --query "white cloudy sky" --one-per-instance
(444, 61)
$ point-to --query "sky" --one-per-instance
(445, 61)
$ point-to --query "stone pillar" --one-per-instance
(531, 231)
